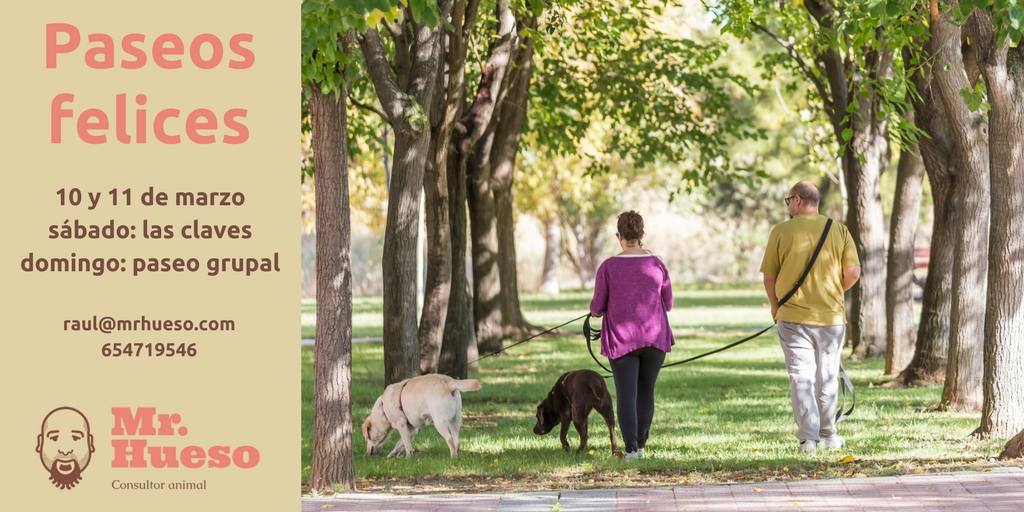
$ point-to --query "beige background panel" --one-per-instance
(242, 387)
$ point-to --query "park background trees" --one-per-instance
(501, 111)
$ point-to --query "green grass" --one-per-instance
(723, 418)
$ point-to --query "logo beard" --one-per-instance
(65, 481)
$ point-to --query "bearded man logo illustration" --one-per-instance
(65, 446)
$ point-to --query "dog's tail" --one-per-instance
(464, 385)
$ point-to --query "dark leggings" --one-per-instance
(635, 374)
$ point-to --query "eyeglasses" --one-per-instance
(788, 199)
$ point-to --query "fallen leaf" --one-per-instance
(591, 452)
(859, 475)
(846, 460)
(785, 468)
(757, 489)
(327, 506)
(896, 497)
(797, 504)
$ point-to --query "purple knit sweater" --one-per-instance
(633, 294)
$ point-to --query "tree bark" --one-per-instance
(459, 340)
(931, 351)
(1002, 414)
(437, 287)
(865, 220)
(447, 109)
(965, 371)
(479, 133)
(1014, 448)
(332, 462)
(552, 255)
(407, 98)
(511, 121)
(484, 236)
(458, 329)
(899, 296)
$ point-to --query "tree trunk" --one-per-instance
(446, 112)
(1002, 414)
(965, 371)
(899, 296)
(439, 260)
(1014, 448)
(484, 233)
(552, 255)
(332, 367)
(407, 100)
(514, 324)
(401, 347)
(458, 329)
(865, 221)
(479, 134)
(931, 351)
(511, 121)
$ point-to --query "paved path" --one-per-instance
(999, 490)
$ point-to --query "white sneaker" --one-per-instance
(633, 455)
(834, 442)
(640, 453)
(809, 447)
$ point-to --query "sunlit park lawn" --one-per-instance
(723, 418)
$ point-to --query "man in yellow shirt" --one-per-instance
(812, 323)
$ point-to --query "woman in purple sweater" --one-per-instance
(633, 293)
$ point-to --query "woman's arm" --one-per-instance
(666, 290)
(599, 304)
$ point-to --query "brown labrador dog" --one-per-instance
(571, 399)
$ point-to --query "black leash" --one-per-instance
(592, 334)
(528, 339)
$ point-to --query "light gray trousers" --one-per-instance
(812, 358)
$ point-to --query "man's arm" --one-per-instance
(850, 276)
(769, 288)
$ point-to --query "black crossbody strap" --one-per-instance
(824, 235)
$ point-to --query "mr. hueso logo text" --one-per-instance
(166, 451)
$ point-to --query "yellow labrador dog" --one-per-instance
(408, 405)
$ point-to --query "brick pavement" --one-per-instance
(1001, 490)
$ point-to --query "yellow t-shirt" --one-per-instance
(819, 301)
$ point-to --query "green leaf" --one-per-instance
(972, 98)
(876, 9)
(448, 25)
(894, 8)
(847, 134)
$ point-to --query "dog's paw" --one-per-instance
(619, 454)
